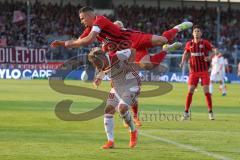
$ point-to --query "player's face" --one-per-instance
(197, 33)
(86, 19)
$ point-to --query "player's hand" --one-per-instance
(56, 44)
(207, 59)
(181, 65)
(97, 82)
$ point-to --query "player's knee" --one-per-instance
(123, 108)
(206, 89)
(191, 89)
(158, 40)
(109, 110)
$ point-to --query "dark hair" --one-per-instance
(197, 26)
(85, 9)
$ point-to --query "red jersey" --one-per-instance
(109, 32)
(198, 51)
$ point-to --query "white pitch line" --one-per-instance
(188, 147)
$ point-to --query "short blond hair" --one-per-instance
(119, 23)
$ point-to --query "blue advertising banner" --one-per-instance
(25, 74)
(78, 75)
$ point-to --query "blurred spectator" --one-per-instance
(46, 20)
(53, 20)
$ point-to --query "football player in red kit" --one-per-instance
(102, 29)
(197, 52)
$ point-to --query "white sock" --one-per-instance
(128, 119)
(108, 125)
(211, 88)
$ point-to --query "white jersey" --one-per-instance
(225, 65)
(125, 81)
(218, 65)
(119, 68)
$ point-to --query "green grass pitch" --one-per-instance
(29, 129)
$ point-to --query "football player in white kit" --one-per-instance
(219, 64)
(118, 65)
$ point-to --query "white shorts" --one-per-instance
(217, 77)
(126, 94)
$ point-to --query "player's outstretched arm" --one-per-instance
(81, 41)
(57, 43)
(75, 43)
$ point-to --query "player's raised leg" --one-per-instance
(183, 26)
(156, 59)
(169, 35)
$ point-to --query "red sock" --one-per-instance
(209, 101)
(188, 101)
(135, 110)
(170, 34)
(158, 58)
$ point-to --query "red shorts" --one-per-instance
(141, 42)
(195, 76)
(140, 53)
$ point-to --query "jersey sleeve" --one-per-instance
(187, 47)
(96, 29)
(100, 23)
(208, 45)
(123, 54)
(85, 32)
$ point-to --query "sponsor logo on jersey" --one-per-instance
(197, 54)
